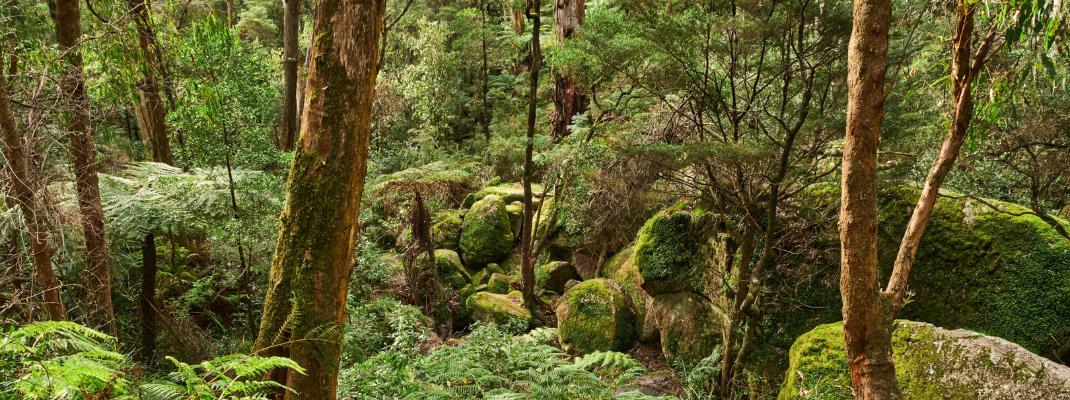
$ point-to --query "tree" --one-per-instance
(291, 21)
(16, 163)
(527, 269)
(867, 313)
(150, 110)
(569, 100)
(310, 271)
(66, 16)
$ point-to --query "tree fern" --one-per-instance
(60, 360)
(236, 376)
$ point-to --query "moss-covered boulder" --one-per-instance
(594, 316)
(486, 235)
(446, 229)
(500, 284)
(688, 325)
(931, 363)
(449, 266)
(506, 310)
(553, 275)
(676, 250)
(508, 192)
(621, 269)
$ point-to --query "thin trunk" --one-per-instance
(17, 164)
(151, 111)
(963, 72)
(484, 115)
(83, 154)
(568, 98)
(527, 270)
(148, 298)
(306, 293)
(291, 21)
(867, 315)
(245, 282)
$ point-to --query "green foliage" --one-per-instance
(237, 376)
(383, 325)
(60, 360)
(490, 364)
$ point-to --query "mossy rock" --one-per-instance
(483, 275)
(446, 231)
(449, 267)
(508, 192)
(622, 270)
(500, 284)
(594, 316)
(931, 363)
(506, 310)
(616, 261)
(675, 250)
(688, 325)
(553, 275)
(486, 235)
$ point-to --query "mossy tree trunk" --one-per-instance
(527, 269)
(16, 165)
(291, 20)
(867, 312)
(310, 271)
(99, 313)
(569, 100)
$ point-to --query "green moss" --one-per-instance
(449, 267)
(446, 231)
(554, 275)
(500, 284)
(508, 192)
(688, 325)
(506, 310)
(672, 252)
(614, 263)
(486, 235)
(593, 316)
(626, 274)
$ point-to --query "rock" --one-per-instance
(552, 276)
(483, 275)
(508, 192)
(446, 231)
(931, 363)
(626, 274)
(506, 310)
(449, 267)
(571, 284)
(585, 263)
(500, 284)
(594, 316)
(676, 250)
(486, 236)
(688, 326)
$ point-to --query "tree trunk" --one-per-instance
(568, 99)
(148, 298)
(310, 271)
(527, 269)
(291, 20)
(17, 165)
(963, 72)
(83, 154)
(150, 111)
(867, 314)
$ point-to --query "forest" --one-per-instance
(535, 199)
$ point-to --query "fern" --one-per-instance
(236, 376)
(60, 360)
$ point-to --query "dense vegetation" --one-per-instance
(504, 199)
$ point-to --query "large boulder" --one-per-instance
(553, 275)
(594, 316)
(500, 284)
(508, 192)
(688, 325)
(677, 251)
(446, 229)
(506, 310)
(621, 269)
(931, 363)
(486, 236)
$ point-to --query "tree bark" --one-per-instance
(150, 111)
(291, 20)
(83, 155)
(963, 72)
(569, 100)
(310, 271)
(867, 314)
(527, 269)
(17, 164)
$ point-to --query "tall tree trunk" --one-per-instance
(310, 271)
(83, 155)
(150, 111)
(867, 314)
(291, 21)
(148, 298)
(527, 269)
(484, 113)
(963, 72)
(17, 164)
(568, 99)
